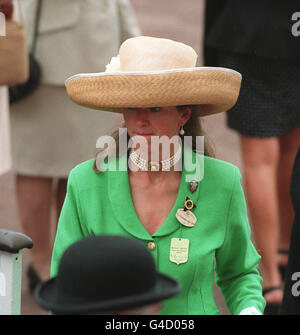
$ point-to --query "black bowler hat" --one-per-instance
(103, 274)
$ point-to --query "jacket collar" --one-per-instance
(123, 208)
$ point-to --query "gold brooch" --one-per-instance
(185, 216)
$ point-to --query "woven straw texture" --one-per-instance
(214, 90)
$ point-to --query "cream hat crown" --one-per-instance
(148, 54)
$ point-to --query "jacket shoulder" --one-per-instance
(219, 164)
(221, 172)
(84, 175)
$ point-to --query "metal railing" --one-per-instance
(11, 245)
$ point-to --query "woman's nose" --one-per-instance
(142, 116)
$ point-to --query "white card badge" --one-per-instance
(179, 250)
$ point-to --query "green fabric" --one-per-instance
(219, 242)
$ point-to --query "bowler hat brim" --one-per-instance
(47, 296)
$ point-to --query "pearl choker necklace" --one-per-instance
(163, 165)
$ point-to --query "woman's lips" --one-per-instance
(143, 134)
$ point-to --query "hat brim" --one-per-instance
(47, 297)
(211, 89)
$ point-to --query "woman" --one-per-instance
(5, 161)
(291, 302)
(266, 117)
(48, 132)
(185, 219)
(5, 155)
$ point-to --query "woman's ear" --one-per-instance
(185, 115)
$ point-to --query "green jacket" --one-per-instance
(219, 242)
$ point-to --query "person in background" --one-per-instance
(5, 154)
(255, 38)
(106, 275)
(6, 7)
(291, 298)
(49, 133)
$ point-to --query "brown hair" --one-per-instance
(193, 128)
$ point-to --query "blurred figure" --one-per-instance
(5, 155)
(291, 297)
(106, 275)
(6, 7)
(255, 38)
(49, 132)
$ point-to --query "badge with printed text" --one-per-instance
(185, 216)
(179, 250)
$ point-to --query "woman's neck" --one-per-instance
(151, 178)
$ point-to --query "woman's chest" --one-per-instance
(152, 207)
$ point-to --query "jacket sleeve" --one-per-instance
(237, 260)
(129, 26)
(70, 226)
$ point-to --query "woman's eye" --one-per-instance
(155, 109)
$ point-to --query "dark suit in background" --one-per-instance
(255, 38)
(259, 28)
(291, 301)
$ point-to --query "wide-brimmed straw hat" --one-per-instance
(101, 274)
(156, 72)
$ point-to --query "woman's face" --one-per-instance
(155, 121)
